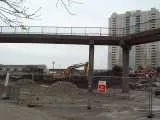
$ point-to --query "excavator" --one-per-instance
(75, 74)
(72, 71)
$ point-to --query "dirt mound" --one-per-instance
(66, 92)
(65, 86)
(59, 92)
(66, 89)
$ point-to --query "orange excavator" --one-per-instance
(72, 71)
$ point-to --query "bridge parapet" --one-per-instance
(54, 30)
(83, 31)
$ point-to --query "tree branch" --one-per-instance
(66, 4)
(12, 10)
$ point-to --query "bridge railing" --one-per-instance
(86, 31)
(83, 31)
(53, 30)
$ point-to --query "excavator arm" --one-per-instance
(69, 70)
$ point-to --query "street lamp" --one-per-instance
(53, 64)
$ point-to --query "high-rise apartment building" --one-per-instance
(134, 22)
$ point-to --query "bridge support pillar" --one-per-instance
(90, 75)
(125, 50)
(91, 67)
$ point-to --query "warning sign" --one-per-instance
(102, 86)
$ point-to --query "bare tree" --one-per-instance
(12, 9)
(67, 4)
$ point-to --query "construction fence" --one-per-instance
(143, 92)
(142, 95)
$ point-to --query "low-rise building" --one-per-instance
(23, 68)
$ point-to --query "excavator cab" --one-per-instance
(70, 71)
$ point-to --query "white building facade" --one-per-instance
(129, 23)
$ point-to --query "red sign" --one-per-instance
(102, 87)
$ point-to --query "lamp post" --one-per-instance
(53, 64)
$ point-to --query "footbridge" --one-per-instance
(81, 36)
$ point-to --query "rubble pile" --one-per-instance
(66, 89)
(59, 92)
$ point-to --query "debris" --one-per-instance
(59, 92)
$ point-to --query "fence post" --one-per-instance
(28, 29)
(15, 29)
(150, 113)
(100, 31)
(5, 94)
(56, 30)
(85, 31)
(71, 31)
(1, 29)
(42, 30)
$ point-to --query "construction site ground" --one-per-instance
(71, 103)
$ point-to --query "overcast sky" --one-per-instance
(92, 13)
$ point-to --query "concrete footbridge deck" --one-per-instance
(74, 35)
(57, 35)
